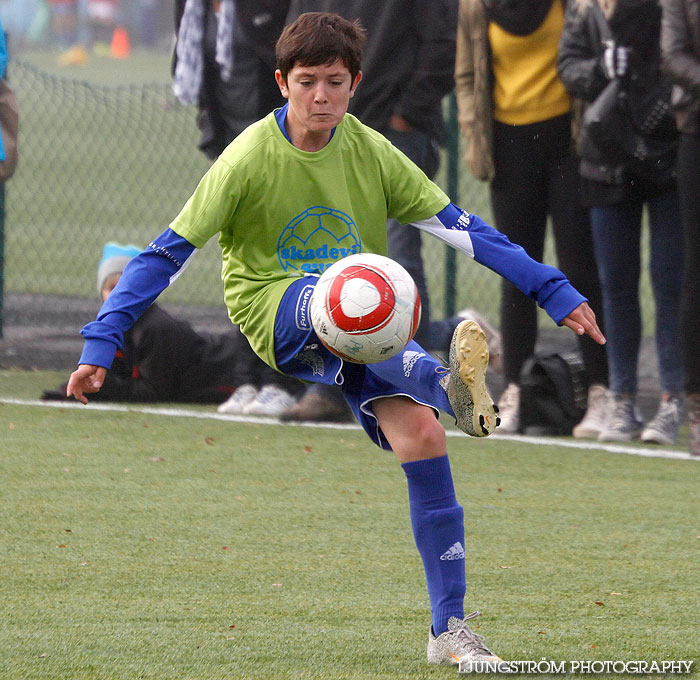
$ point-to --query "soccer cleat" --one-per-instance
(493, 337)
(475, 412)
(509, 409)
(625, 424)
(244, 395)
(271, 401)
(596, 416)
(663, 427)
(459, 646)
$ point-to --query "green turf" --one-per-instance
(142, 546)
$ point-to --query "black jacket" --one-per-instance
(635, 24)
(409, 58)
(165, 359)
(227, 108)
(680, 50)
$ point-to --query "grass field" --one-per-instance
(150, 546)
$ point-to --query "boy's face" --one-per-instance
(318, 97)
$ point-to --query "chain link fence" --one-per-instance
(104, 164)
(114, 163)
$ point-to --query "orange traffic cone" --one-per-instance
(121, 47)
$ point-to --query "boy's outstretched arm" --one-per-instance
(545, 284)
(144, 278)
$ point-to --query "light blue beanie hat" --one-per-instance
(114, 258)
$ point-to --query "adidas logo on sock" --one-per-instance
(409, 361)
(454, 552)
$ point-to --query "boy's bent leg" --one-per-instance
(460, 390)
(411, 429)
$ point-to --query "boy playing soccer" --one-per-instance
(296, 191)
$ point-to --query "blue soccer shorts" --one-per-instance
(298, 351)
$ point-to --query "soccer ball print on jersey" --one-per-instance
(365, 308)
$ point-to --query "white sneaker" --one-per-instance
(460, 646)
(625, 422)
(509, 409)
(596, 416)
(271, 401)
(243, 396)
(663, 427)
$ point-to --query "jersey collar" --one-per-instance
(281, 117)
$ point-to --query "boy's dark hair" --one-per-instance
(319, 38)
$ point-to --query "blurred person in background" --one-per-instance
(680, 51)
(95, 21)
(618, 189)
(407, 71)
(8, 139)
(515, 115)
(25, 19)
(102, 19)
(148, 22)
(64, 19)
(224, 64)
(164, 359)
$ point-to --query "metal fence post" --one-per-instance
(453, 193)
(2, 228)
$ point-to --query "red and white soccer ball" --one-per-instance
(365, 308)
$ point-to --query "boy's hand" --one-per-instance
(582, 320)
(85, 379)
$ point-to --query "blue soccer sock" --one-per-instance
(438, 529)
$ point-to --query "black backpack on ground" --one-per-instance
(553, 394)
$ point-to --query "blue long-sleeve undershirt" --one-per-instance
(144, 278)
(152, 271)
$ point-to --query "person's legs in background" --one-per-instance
(148, 23)
(404, 243)
(64, 22)
(260, 390)
(518, 201)
(574, 245)
(666, 267)
(616, 241)
(689, 197)
(319, 403)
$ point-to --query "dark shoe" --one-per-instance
(317, 407)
